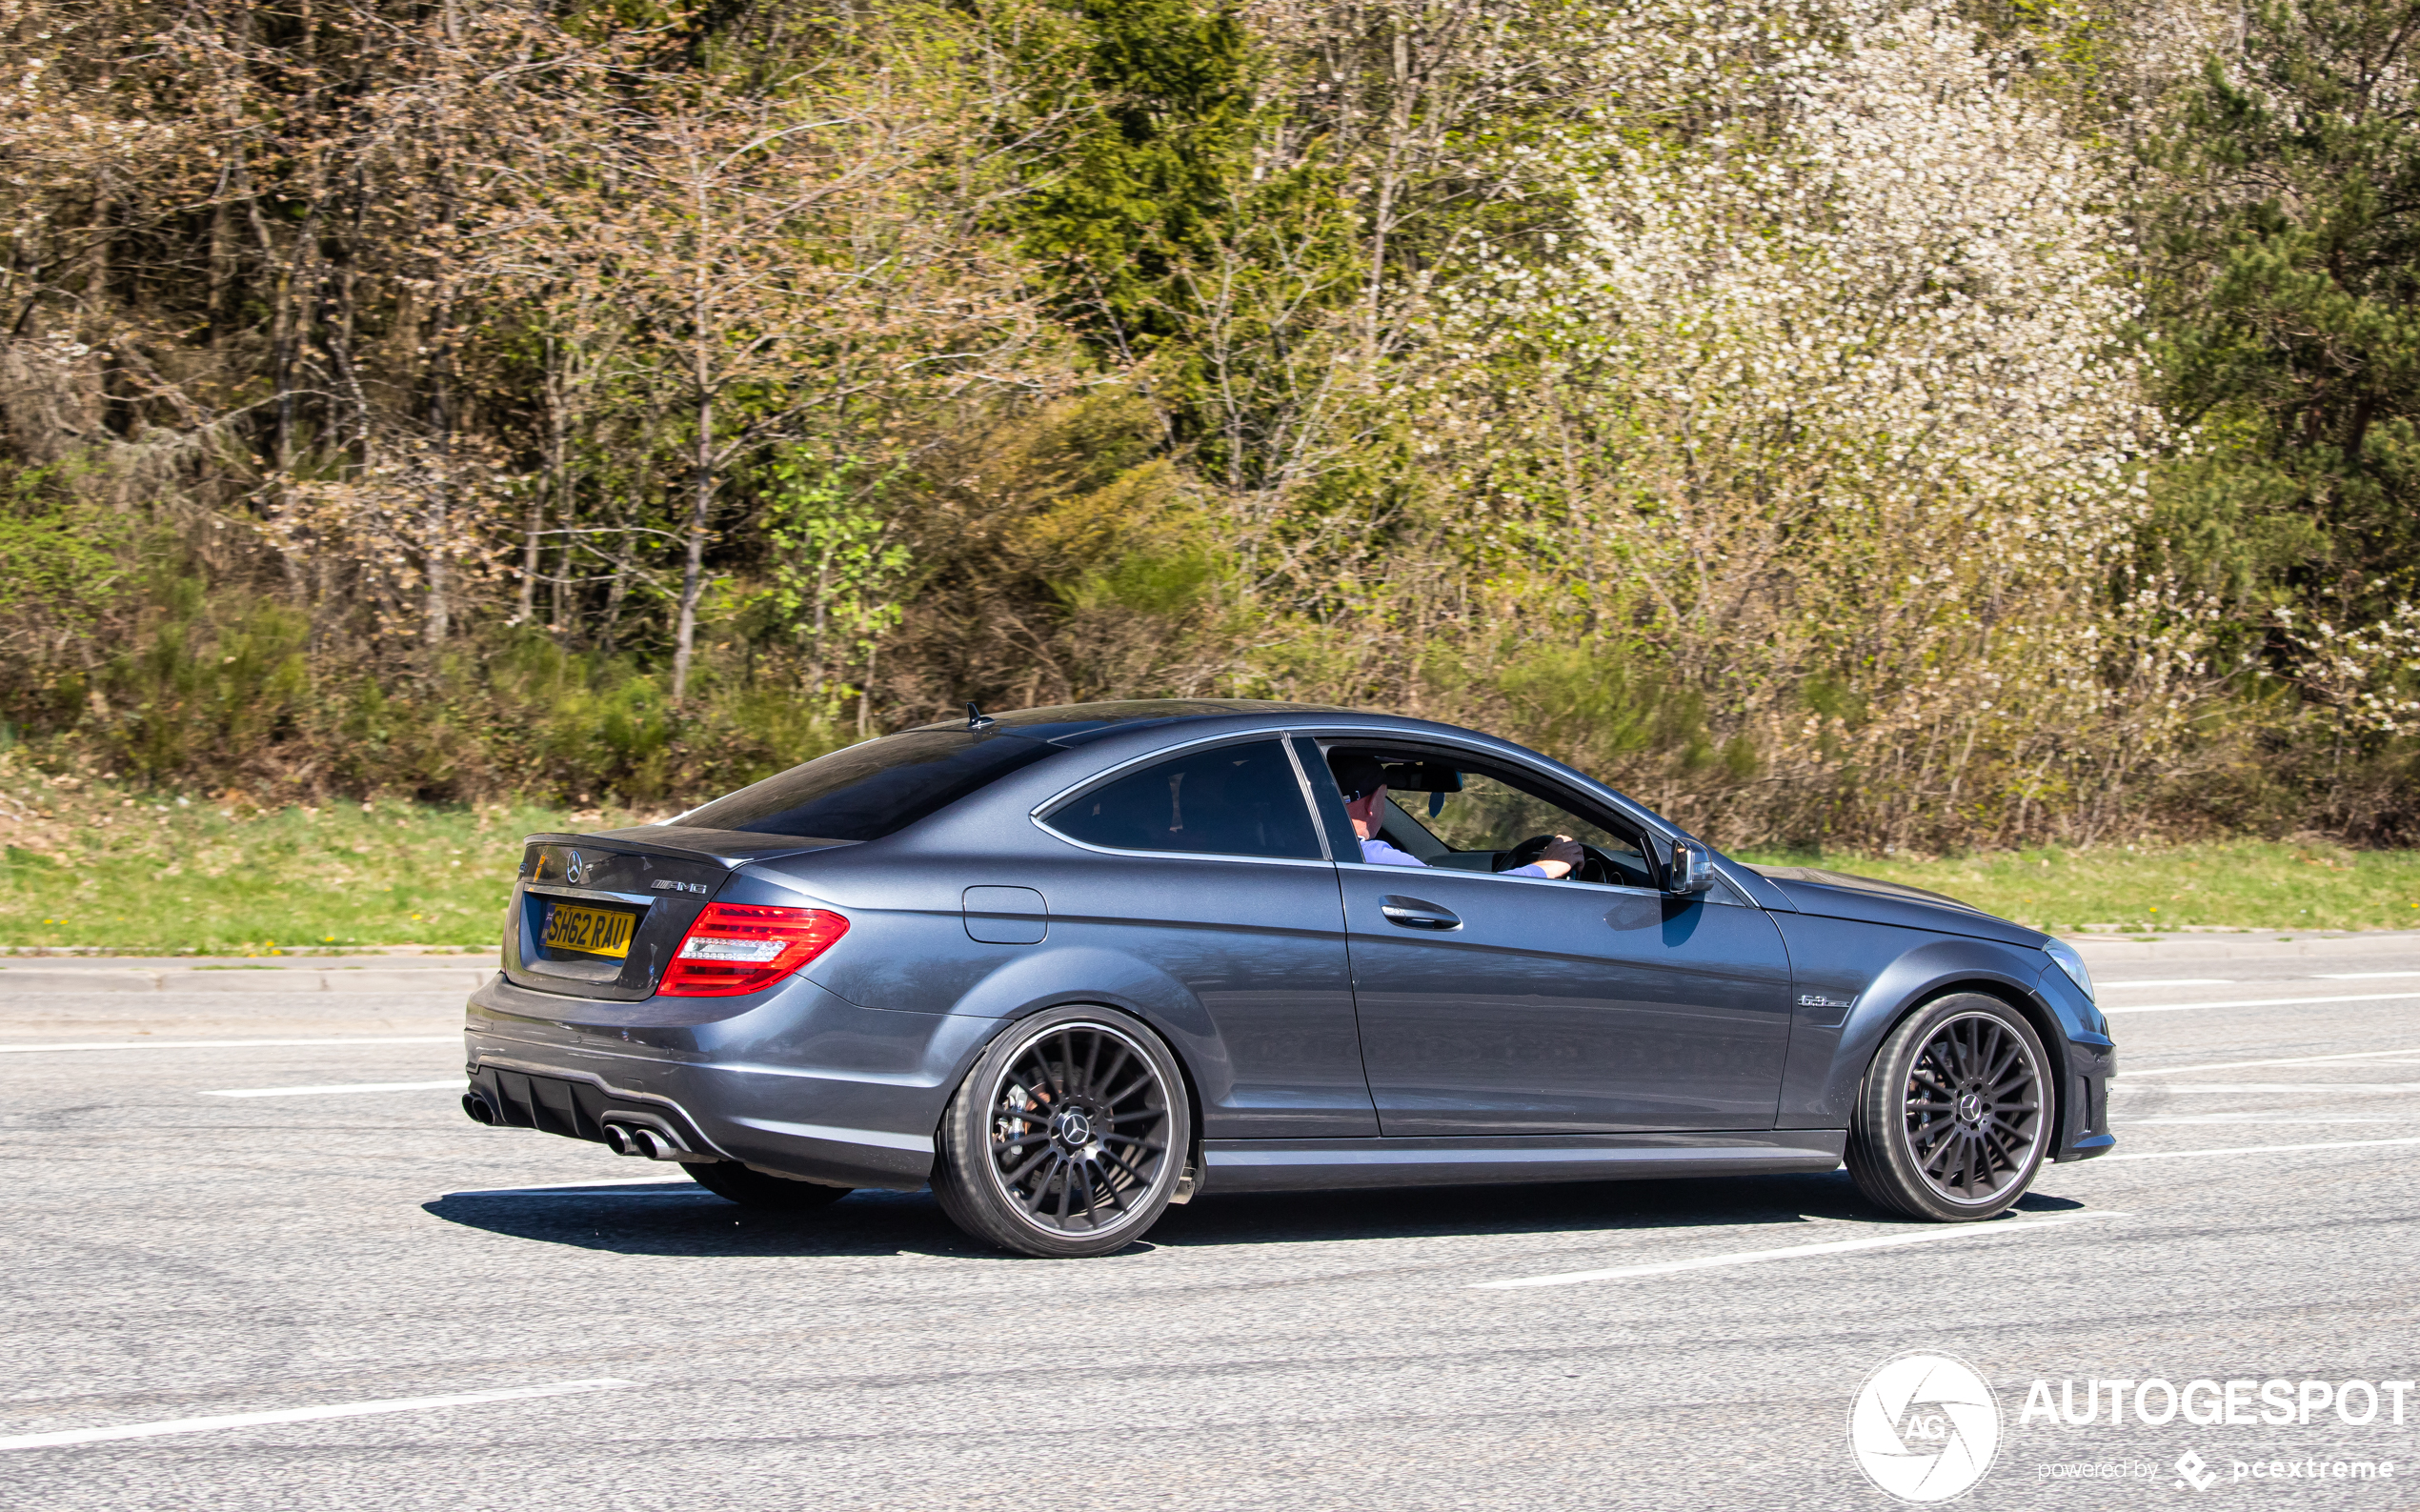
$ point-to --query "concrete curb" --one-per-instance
(104, 953)
(252, 978)
(2199, 946)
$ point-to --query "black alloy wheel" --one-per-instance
(1068, 1137)
(750, 1187)
(1955, 1115)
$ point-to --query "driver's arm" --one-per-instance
(1377, 853)
(1560, 858)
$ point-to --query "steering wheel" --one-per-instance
(1595, 866)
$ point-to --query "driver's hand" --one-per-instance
(1560, 858)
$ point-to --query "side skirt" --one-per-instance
(1296, 1165)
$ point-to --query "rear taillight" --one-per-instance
(740, 947)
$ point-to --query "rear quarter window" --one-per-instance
(1228, 800)
(874, 789)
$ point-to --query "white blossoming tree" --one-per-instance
(1825, 407)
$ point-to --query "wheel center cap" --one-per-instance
(1075, 1128)
(1970, 1106)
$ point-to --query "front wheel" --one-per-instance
(1954, 1116)
(1068, 1137)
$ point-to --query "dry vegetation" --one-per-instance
(135, 871)
(1840, 423)
(138, 871)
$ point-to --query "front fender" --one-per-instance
(1856, 981)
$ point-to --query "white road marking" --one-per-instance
(237, 1044)
(455, 1083)
(343, 1409)
(2252, 1002)
(2293, 1086)
(1757, 1257)
(2265, 1119)
(2363, 976)
(2170, 981)
(670, 1188)
(2253, 1149)
(2246, 1065)
(685, 1194)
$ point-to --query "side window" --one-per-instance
(1227, 800)
(1454, 817)
(1491, 816)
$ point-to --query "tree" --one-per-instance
(2286, 219)
(1826, 409)
(793, 250)
(2289, 297)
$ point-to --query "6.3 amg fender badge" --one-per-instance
(1816, 999)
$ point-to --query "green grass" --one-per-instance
(140, 874)
(2232, 884)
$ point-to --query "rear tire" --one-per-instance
(755, 1189)
(1954, 1117)
(1067, 1138)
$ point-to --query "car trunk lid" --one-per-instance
(599, 915)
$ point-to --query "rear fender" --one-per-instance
(1040, 978)
(999, 982)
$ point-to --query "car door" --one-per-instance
(1206, 865)
(1492, 1004)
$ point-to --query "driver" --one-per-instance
(1363, 782)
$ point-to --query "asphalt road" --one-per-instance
(172, 1252)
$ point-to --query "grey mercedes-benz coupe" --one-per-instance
(1070, 965)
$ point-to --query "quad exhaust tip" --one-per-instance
(620, 1137)
(646, 1139)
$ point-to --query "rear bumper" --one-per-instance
(795, 1079)
(507, 1096)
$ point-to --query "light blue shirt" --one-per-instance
(1377, 853)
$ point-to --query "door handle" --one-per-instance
(1413, 914)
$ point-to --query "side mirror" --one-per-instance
(1691, 871)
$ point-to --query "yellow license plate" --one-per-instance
(596, 930)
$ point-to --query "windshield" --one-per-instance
(868, 791)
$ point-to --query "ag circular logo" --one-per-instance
(1925, 1428)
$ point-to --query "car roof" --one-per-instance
(1122, 727)
(1057, 723)
(1123, 724)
